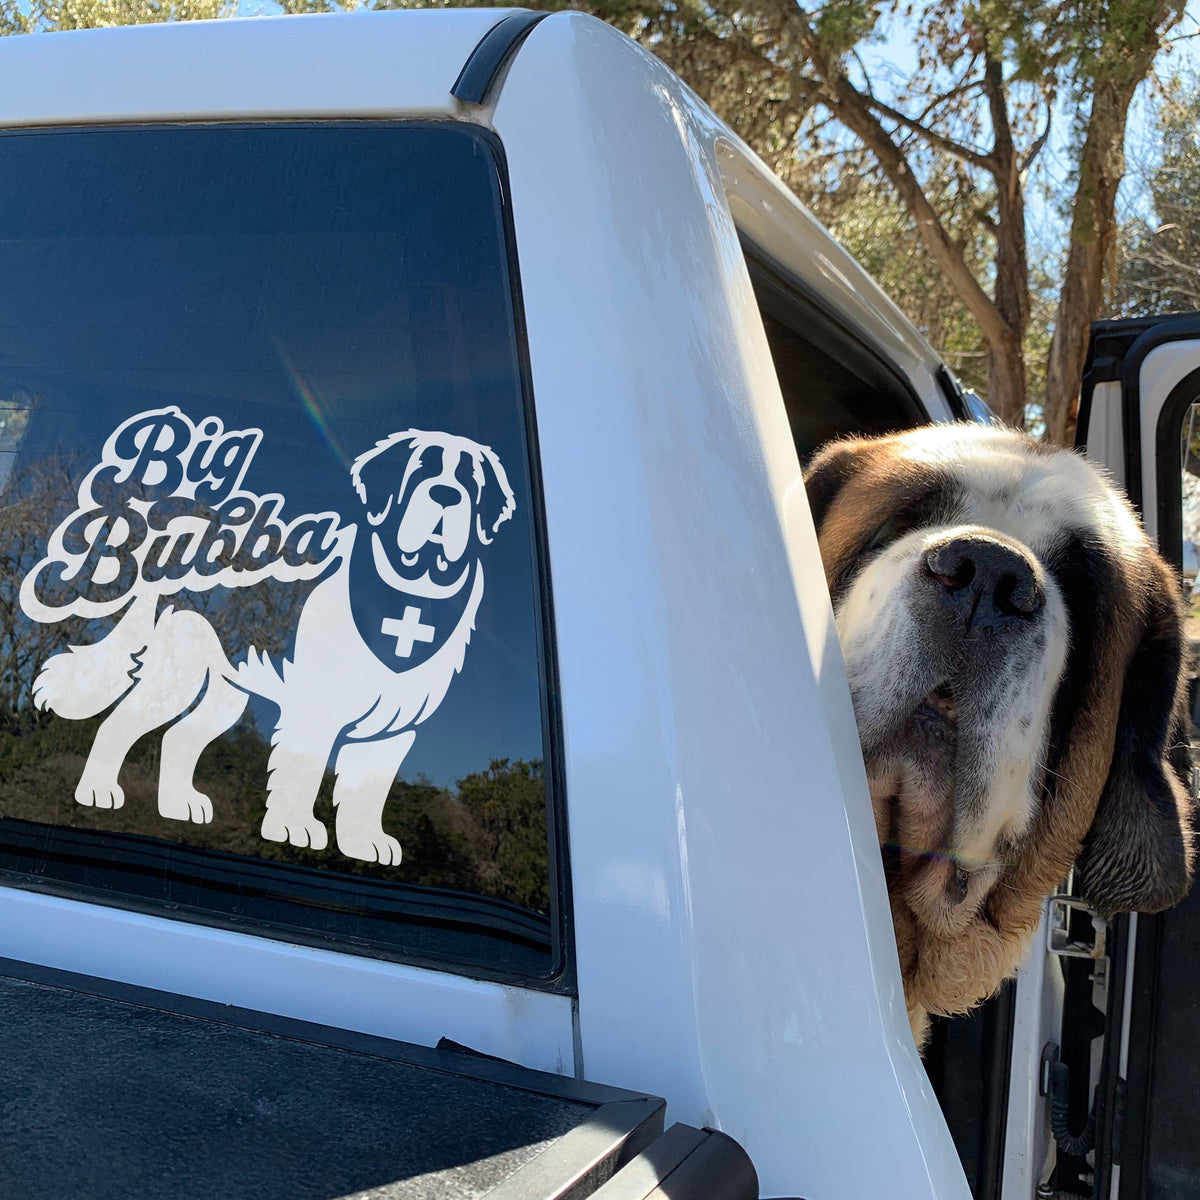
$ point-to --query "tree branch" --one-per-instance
(1039, 145)
(855, 112)
(967, 154)
(1002, 155)
(961, 90)
(986, 220)
(740, 50)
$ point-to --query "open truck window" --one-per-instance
(833, 384)
(275, 637)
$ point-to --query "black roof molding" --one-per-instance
(486, 64)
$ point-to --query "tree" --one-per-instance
(16, 17)
(1114, 65)
(987, 82)
(976, 111)
(864, 214)
(955, 140)
(1158, 262)
(988, 78)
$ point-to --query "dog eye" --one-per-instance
(962, 884)
(884, 534)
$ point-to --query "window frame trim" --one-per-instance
(796, 295)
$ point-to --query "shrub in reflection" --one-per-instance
(487, 835)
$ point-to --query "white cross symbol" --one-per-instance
(407, 631)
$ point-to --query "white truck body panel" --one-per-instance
(346, 991)
(295, 67)
(254, 67)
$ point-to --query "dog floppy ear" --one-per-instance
(832, 467)
(495, 500)
(375, 476)
(1137, 855)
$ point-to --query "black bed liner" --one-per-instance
(109, 1091)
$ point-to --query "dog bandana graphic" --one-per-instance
(378, 641)
(411, 579)
(402, 622)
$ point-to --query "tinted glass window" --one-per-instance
(272, 620)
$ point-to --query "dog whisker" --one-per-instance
(1047, 771)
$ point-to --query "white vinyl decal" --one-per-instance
(378, 641)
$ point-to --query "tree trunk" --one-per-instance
(1006, 382)
(1093, 230)
(1093, 217)
(1006, 353)
(851, 108)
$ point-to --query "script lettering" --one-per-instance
(167, 508)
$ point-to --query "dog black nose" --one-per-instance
(444, 494)
(984, 581)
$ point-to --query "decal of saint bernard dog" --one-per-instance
(379, 639)
(1015, 653)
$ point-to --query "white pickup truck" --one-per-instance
(414, 630)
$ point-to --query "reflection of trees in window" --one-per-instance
(14, 421)
(33, 502)
(487, 835)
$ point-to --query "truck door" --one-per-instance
(1140, 415)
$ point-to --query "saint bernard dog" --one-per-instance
(379, 639)
(1015, 652)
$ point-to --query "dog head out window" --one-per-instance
(268, 520)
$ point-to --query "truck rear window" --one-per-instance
(274, 636)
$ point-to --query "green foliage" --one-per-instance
(487, 836)
(864, 214)
(31, 737)
(92, 14)
(1061, 44)
(12, 18)
(846, 24)
(507, 806)
(321, 6)
(31, 503)
(1158, 263)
